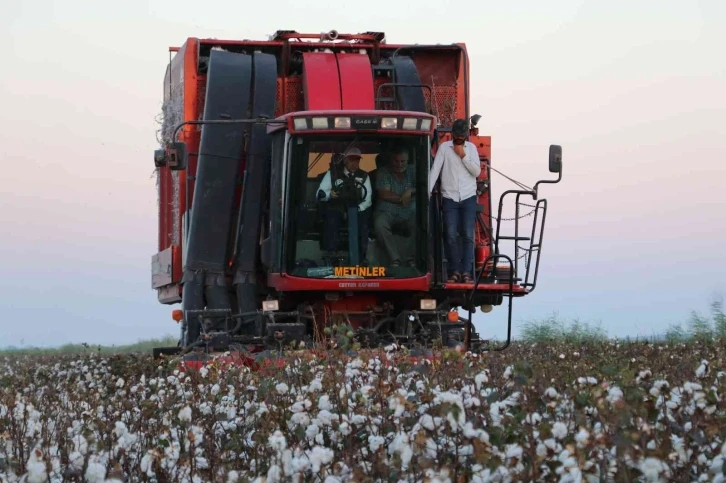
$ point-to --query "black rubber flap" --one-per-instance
(220, 150)
(264, 100)
(409, 98)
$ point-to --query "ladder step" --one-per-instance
(517, 238)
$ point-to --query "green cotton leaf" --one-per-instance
(610, 370)
(524, 369)
(582, 399)
(634, 395)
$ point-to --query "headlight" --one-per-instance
(300, 123)
(410, 123)
(342, 123)
(425, 124)
(389, 123)
(270, 305)
(320, 123)
(428, 304)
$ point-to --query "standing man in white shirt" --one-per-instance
(457, 161)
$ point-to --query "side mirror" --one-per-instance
(159, 158)
(177, 156)
(555, 158)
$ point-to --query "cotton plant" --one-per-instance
(608, 411)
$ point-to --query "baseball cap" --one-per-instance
(460, 127)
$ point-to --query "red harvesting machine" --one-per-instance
(247, 243)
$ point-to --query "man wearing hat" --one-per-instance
(340, 189)
(457, 161)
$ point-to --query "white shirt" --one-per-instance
(458, 175)
(325, 188)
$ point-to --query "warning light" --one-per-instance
(177, 315)
(453, 316)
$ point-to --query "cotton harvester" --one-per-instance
(250, 130)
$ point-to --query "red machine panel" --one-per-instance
(356, 81)
(321, 81)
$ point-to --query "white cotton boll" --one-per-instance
(427, 422)
(514, 451)
(358, 419)
(615, 394)
(282, 388)
(582, 437)
(559, 430)
(300, 419)
(326, 418)
(587, 380)
(215, 390)
(35, 466)
(324, 403)
(702, 369)
(232, 476)
(315, 385)
(75, 461)
(277, 441)
(479, 379)
(120, 382)
(652, 468)
(375, 442)
(320, 457)
(185, 414)
(508, 373)
(533, 418)
(274, 474)
(96, 471)
(147, 463)
(311, 431)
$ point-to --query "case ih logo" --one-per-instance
(364, 121)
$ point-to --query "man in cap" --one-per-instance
(457, 161)
(341, 188)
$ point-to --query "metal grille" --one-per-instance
(444, 101)
(201, 95)
(279, 103)
(294, 97)
(444, 105)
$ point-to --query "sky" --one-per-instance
(635, 92)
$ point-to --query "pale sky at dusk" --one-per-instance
(635, 92)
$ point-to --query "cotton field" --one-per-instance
(590, 413)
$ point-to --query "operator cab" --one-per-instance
(365, 229)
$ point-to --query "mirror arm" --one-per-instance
(547, 181)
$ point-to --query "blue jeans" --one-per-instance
(459, 232)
